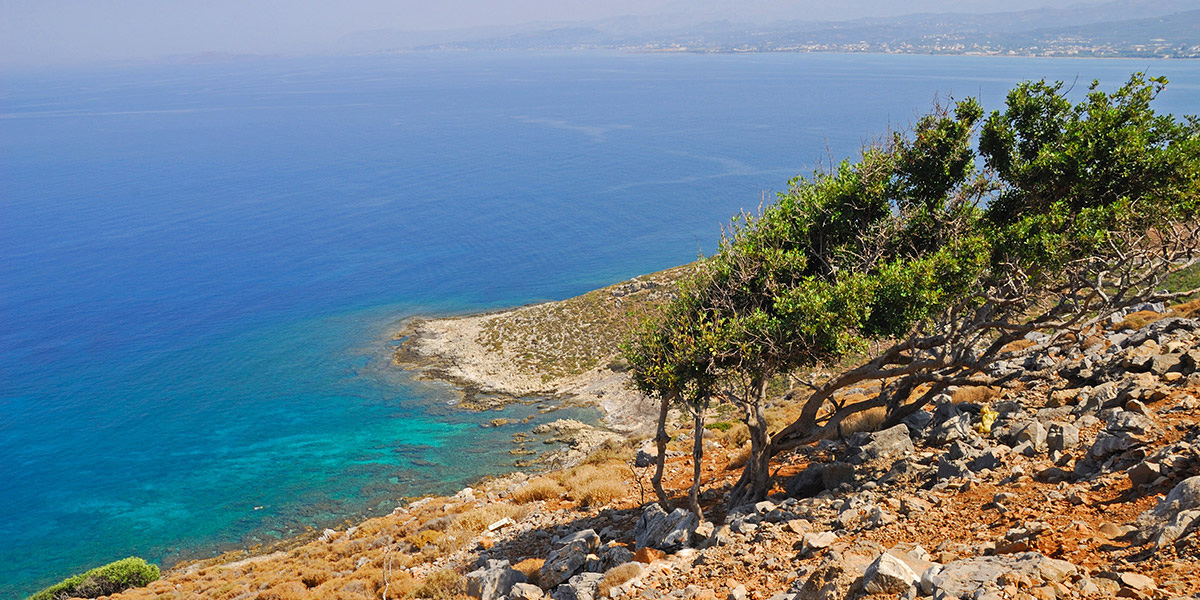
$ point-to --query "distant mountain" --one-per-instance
(1121, 28)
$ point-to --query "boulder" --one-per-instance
(949, 468)
(1062, 436)
(949, 424)
(806, 483)
(580, 587)
(566, 559)
(975, 577)
(657, 528)
(1176, 516)
(989, 459)
(835, 474)
(839, 573)
(493, 580)
(879, 446)
(1163, 363)
(526, 591)
(889, 575)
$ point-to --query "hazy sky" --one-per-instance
(64, 31)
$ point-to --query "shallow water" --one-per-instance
(201, 266)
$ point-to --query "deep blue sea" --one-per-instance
(201, 266)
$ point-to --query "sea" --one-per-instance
(202, 266)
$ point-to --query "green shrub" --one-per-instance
(102, 581)
(719, 426)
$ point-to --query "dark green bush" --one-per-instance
(102, 581)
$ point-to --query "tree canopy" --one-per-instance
(942, 253)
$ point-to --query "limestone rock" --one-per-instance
(879, 446)
(1062, 436)
(889, 575)
(974, 577)
(580, 587)
(526, 591)
(493, 581)
(657, 528)
(571, 554)
(813, 541)
(647, 454)
(1176, 516)
(838, 574)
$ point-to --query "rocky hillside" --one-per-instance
(1083, 481)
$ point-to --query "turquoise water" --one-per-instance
(201, 266)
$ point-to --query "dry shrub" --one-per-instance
(1187, 310)
(867, 420)
(1138, 320)
(439, 523)
(975, 394)
(1095, 341)
(400, 585)
(441, 585)
(288, 590)
(425, 537)
(531, 568)
(595, 485)
(609, 451)
(617, 576)
(601, 492)
(1016, 346)
(478, 519)
(740, 459)
(538, 488)
(735, 436)
(313, 578)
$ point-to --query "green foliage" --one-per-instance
(719, 426)
(102, 581)
(1074, 178)
(912, 232)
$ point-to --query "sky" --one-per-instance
(34, 32)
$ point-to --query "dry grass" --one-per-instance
(1187, 310)
(975, 394)
(610, 451)
(538, 488)
(867, 420)
(425, 538)
(740, 459)
(1138, 320)
(617, 576)
(441, 585)
(478, 519)
(1016, 346)
(597, 485)
(735, 436)
(531, 568)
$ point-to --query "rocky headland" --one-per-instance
(1081, 481)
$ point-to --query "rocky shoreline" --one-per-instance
(566, 351)
(1082, 481)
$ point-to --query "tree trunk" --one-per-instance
(660, 441)
(756, 477)
(697, 455)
